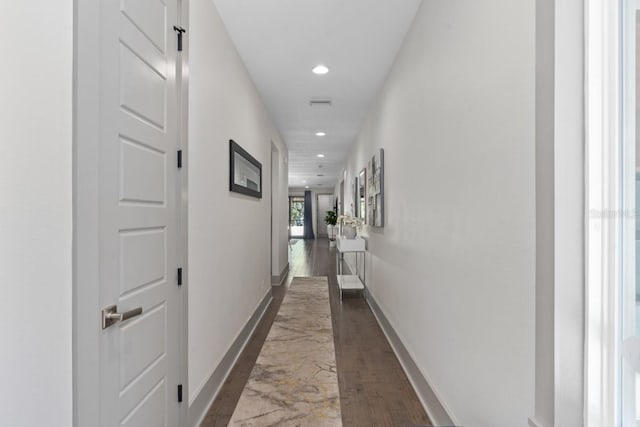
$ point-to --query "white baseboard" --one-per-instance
(277, 280)
(533, 422)
(200, 405)
(436, 410)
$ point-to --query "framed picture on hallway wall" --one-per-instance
(362, 196)
(375, 190)
(245, 172)
(355, 212)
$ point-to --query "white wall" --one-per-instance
(229, 234)
(454, 267)
(36, 213)
(280, 218)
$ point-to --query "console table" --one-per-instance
(350, 281)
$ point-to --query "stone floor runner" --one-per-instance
(294, 381)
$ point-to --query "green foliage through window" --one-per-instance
(297, 211)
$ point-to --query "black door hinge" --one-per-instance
(179, 159)
(179, 31)
(180, 276)
(179, 393)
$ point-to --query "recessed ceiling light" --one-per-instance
(320, 134)
(306, 186)
(321, 155)
(320, 69)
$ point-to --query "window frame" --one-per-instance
(605, 200)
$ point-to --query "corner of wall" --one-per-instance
(200, 404)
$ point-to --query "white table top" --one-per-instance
(350, 245)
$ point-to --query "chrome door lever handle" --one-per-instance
(111, 316)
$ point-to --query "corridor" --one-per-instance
(374, 390)
(485, 152)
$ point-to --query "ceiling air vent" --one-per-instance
(320, 102)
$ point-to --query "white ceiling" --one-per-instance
(280, 41)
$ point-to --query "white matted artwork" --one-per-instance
(375, 190)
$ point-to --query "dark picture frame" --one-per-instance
(245, 172)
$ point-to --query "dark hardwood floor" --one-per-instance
(374, 390)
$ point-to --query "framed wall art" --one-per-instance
(354, 203)
(362, 196)
(375, 190)
(245, 172)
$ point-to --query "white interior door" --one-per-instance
(325, 203)
(138, 212)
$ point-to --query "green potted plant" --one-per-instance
(331, 219)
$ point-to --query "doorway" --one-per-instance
(275, 196)
(341, 203)
(325, 203)
(296, 216)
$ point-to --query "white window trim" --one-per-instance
(627, 313)
(604, 212)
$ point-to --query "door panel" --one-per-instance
(143, 345)
(143, 88)
(136, 187)
(146, 413)
(143, 258)
(150, 18)
(139, 213)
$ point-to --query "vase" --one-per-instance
(330, 231)
(349, 231)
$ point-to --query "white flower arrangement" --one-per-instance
(348, 219)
